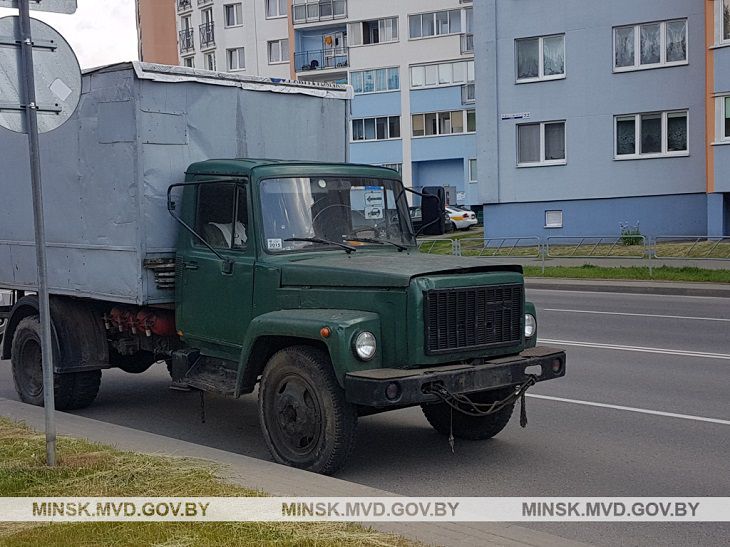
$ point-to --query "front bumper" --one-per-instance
(368, 387)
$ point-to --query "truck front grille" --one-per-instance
(472, 318)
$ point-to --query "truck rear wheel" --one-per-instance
(305, 419)
(72, 391)
(473, 428)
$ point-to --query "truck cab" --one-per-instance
(306, 280)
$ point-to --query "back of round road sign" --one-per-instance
(57, 77)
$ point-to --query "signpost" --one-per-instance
(54, 99)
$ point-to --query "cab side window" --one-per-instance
(222, 217)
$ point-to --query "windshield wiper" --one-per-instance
(348, 248)
(379, 242)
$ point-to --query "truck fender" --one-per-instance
(271, 332)
(77, 331)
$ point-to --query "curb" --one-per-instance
(280, 480)
(629, 287)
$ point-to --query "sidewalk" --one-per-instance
(280, 480)
(712, 290)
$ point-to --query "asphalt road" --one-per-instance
(664, 359)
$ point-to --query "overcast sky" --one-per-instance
(101, 31)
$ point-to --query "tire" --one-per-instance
(473, 428)
(453, 227)
(321, 438)
(72, 391)
(133, 364)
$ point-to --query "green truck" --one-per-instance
(299, 279)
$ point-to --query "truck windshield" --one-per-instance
(354, 211)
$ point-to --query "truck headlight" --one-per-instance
(530, 325)
(365, 346)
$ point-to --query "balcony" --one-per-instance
(204, 2)
(187, 40)
(322, 59)
(468, 93)
(467, 43)
(313, 11)
(184, 5)
(207, 35)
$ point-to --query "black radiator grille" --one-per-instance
(472, 318)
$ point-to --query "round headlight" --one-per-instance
(530, 325)
(365, 346)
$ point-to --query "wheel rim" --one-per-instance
(31, 368)
(295, 414)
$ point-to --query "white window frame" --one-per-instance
(637, 155)
(185, 60)
(241, 55)
(374, 70)
(355, 32)
(376, 139)
(462, 26)
(207, 57)
(720, 40)
(722, 111)
(237, 14)
(663, 63)
(541, 58)
(279, 43)
(542, 162)
(467, 64)
(279, 16)
(554, 224)
(465, 123)
(472, 168)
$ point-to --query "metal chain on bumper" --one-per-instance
(461, 403)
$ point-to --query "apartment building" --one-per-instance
(595, 113)
(410, 62)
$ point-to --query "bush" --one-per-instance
(631, 235)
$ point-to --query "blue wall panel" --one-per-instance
(439, 173)
(435, 99)
(377, 152)
(439, 148)
(656, 215)
(376, 104)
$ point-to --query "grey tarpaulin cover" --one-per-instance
(107, 170)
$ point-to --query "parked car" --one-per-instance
(417, 220)
(461, 219)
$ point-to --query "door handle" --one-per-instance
(190, 265)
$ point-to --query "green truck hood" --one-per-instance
(376, 269)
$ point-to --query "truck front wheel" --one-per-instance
(72, 391)
(305, 419)
(473, 428)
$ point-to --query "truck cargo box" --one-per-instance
(106, 171)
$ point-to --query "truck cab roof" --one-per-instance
(245, 166)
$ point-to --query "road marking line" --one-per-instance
(640, 315)
(612, 294)
(638, 349)
(632, 409)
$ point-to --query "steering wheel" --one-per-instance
(337, 205)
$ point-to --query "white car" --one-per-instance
(461, 219)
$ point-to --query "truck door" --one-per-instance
(215, 299)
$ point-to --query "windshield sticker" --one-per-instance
(374, 202)
(274, 244)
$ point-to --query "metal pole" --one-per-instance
(31, 116)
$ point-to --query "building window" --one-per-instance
(276, 8)
(434, 124)
(726, 21)
(650, 45)
(376, 129)
(553, 219)
(653, 134)
(724, 110)
(541, 58)
(210, 61)
(279, 51)
(376, 31)
(375, 81)
(472, 170)
(189, 62)
(233, 15)
(438, 23)
(442, 74)
(236, 58)
(541, 144)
